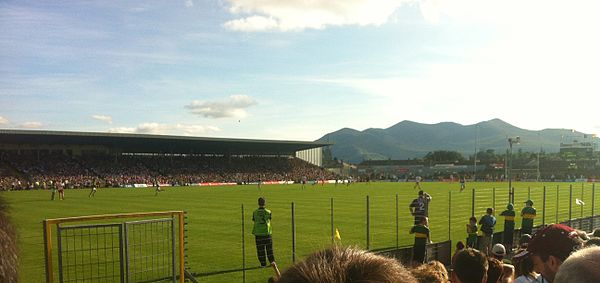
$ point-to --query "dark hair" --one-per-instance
(460, 245)
(261, 201)
(489, 210)
(524, 266)
(494, 272)
(596, 232)
(471, 266)
(473, 218)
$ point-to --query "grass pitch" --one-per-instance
(215, 246)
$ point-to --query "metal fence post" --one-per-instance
(544, 208)
(529, 192)
(449, 213)
(473, 202)
(332, 228)
(397, 222)
(293, 232)
(243, 249)
(368, 224)
(570, 203)
(581, 206)
(494, 198)
(593, 202)
(557, 202)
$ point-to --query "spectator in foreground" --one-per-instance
(8, 247)
(431, 272)
(471, 267)
(421, 232)
(593, 241)
(550, 247)
(498, 252)
(582, 266)
(459, 247)
(494, 272)
(524, 269)
(340, 265)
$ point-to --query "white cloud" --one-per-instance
(233, 107)
(265, 15)
(104, 118)
(31, 125)
(166, 129)
(189, 3)
(4, 121)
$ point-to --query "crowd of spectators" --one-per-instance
(555, 253)
(20, 172)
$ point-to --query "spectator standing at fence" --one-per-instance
(422, 238)
(419, 207)
(472, 232)
(509, 227)
(528, 213)
(262, 232)
(470, 267)
(550, 247)
(487, 222)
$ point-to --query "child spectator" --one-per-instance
(421, 232)
(472, 232)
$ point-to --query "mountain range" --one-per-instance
(408, 139)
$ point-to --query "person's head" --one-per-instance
(424, 220)
(523, 265)
(510, 206)
(261, 201)
(494, 272)
(339, 265)
(583, 266)
(460, 245)
(432, 272)
(529, 202)
(551, 246)
(470, 266)
(489, 211)
(524, 240)
(498, 251)
(596, 232)
(473, 220)
(421, 193)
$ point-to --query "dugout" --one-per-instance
(39, 143)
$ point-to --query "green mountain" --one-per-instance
(409, 139)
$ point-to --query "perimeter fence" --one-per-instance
(381, 225)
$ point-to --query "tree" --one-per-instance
(443, 156)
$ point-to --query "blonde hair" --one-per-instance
(339, 265)
(432, 272)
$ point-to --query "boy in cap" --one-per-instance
(528, 213)
(509, 226)
(551, 246)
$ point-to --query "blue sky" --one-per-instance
(296, 69)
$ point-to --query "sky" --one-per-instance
(296, 69)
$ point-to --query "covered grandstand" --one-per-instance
(115, 159)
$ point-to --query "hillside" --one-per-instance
(409, 139)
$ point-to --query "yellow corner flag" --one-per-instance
(337, 234)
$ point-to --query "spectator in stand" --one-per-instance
(340, 265)
(509, 226)
(524, 272)
(487, 222)
(524, 241)
(471, 267)
(459, 247)
(431, 272)
(528, 213)
(494, 272)
(583, 266)
(550, 247)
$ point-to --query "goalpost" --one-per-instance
(128, 247)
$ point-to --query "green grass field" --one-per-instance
(215, 217)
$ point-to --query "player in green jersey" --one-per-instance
(262, 233)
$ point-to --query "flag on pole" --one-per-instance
(579, 202)
(337, 234)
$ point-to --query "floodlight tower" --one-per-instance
(511, 190)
